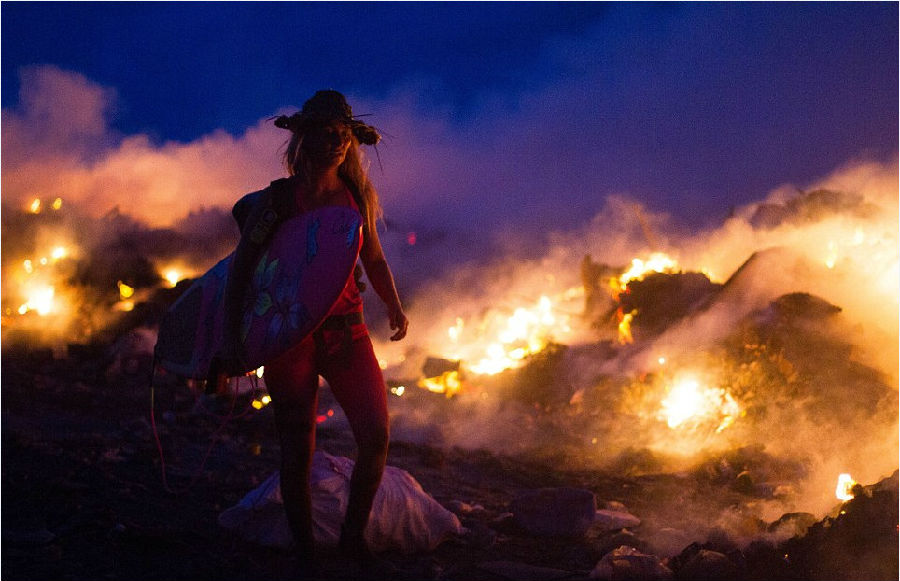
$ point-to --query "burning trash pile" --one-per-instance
(676, 346)
(69, 278)
(767, 383)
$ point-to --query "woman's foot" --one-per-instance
(352, 545)
(305, 563)
(307, 569)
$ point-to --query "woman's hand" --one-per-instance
(399, 322)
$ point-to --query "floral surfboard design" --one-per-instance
(296, 282)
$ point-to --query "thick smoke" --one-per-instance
(834, 241)
(58, 143)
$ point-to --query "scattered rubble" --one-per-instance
(560, 512)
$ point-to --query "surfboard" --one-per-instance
(296, 281)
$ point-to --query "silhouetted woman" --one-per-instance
(323, 160)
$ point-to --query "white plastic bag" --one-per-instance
(404, 517)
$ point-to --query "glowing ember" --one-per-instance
(125, 291)
(172, 276)
(59, 253)
(57, 204)
(689, 404)
(35, 207)
(262, 402)
(844, 486)
(322, 418)
(399, 390)
(447, 383)
(625, 319)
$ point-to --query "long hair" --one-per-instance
(352, 171)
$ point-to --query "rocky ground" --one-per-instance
(83, 496)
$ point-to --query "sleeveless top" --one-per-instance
(350, 300)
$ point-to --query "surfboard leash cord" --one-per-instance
(213, 438)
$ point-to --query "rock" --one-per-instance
(563, 512)
(459, 507)
(707, 565)
(615, 505)
(614, 519)
(628, 564)
(668, 541)
(792, 524)
(622, 537)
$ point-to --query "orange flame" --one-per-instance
(844, 486)
(689, 403)
(657, 262)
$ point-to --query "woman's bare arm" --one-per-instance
(379, 274)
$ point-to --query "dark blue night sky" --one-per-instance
(693, 108)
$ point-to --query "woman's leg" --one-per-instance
(292, 381)
(359, 388)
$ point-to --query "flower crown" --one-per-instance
(324, 107)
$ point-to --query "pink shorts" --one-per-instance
(347, 362)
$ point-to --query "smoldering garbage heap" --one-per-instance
(788, 359)
(791, 357)
(94, 261)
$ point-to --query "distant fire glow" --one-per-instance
(844, 486)
(447, 383)
(502, 339)
(658, 262)
(172, 276)
(40, 301)
(500, 342)
(527, 331)
(37, 290)
(689, 404)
